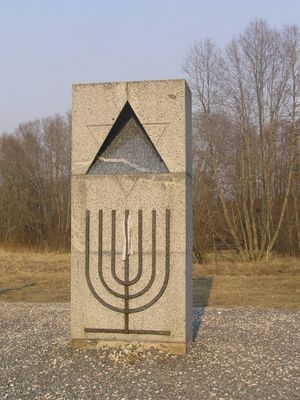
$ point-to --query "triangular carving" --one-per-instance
(155, 131)
(127, 149)
(127, 183)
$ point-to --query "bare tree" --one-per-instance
(247, 101)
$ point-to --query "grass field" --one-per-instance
(274, 284)
(28, 276)
(34, 276)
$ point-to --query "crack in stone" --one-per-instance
(124, 161)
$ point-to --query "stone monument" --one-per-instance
(132, 214)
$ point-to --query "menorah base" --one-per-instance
(179, 349)
(127, 331)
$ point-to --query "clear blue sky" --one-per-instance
(46, 45)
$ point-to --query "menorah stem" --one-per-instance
(126, 275)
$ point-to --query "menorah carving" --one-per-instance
(126, 283)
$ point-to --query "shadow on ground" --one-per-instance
(201, 291)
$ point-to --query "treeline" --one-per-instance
(246, 142)
(35, 184)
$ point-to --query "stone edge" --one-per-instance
(179, 349)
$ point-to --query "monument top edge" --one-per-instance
(129, 82)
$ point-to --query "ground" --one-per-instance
(221, 282)
(240, 354)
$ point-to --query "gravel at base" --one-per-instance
(238, 354)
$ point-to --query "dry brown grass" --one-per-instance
(47, 273)
(274, 283)
(221, 282)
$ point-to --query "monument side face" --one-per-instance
(131, 277)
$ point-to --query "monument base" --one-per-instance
(179, 349)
